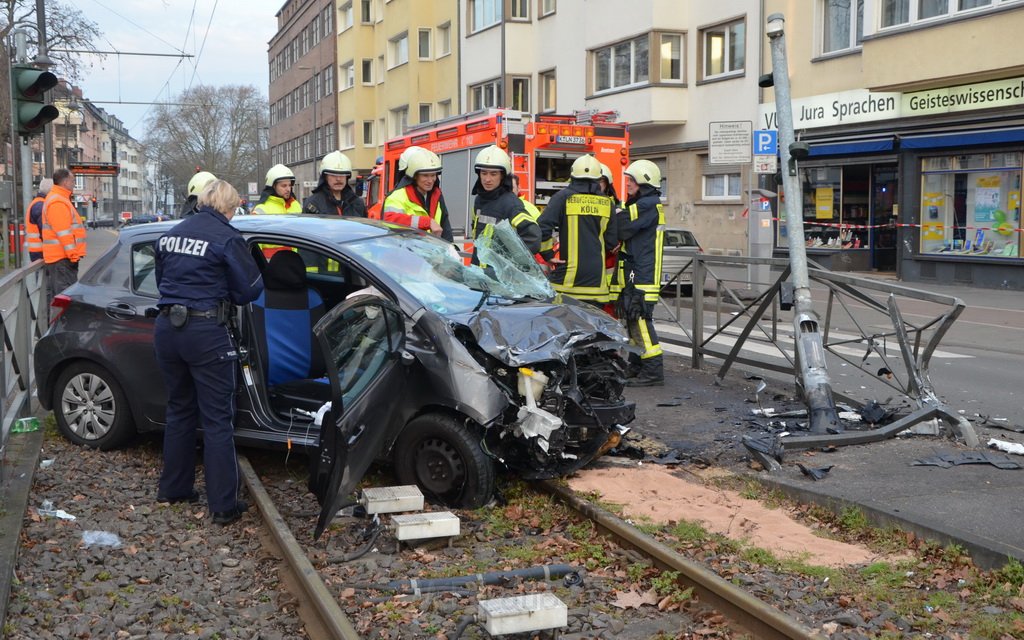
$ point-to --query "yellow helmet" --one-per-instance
(279, 172)
(493, 157)
(644, 172)
(198, 181)
(586, 167)
(422, 161)
(336, 163)
(403, 160)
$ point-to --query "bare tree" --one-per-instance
(213, 129)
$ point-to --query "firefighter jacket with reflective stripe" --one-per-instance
(405, 206)
(641, 226)
(62, 230)
(582, 217)
(491, 207)
(531, 208)
(33, 220)
(270, 202)
(322, 202)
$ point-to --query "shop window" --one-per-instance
(836, 206)
(970, 205)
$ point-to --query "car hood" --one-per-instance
(530, 332)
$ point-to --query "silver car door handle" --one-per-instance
(121, 311)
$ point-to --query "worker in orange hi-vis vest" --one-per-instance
(63, 234)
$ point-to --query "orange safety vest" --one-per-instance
(62, 230)
(33, 240)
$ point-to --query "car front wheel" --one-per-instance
(90, 407)
(439, 454)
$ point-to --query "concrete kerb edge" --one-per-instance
(23, 452)
(986, 554)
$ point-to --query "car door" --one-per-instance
(362, 342)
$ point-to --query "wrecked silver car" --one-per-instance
(371, 342)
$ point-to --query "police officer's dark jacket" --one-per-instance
(322, 201)
(190, 207)
(491, 207)
(582, 215)
(204, 260)
(641, 226)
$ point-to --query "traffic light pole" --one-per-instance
(25, 153)
(812, 371)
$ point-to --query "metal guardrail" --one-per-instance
(24, 314)
(894, 359)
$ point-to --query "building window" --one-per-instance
(368, 126)
(366, 11)
(896, 13)
(842, 24)
(724, 49)
(305, 41)
(367, 69)
(547, 7)
(346, 17)
(671, 57)
(328, 80)
(315, 30)
(970, 205)
(346, 135)
(520, 99)
(622, 64)
(398, 50)
(484, 13)
(485, 95)
(329, 139)
(318, 87)
(520, 9)
(424, 44)
(328, 26)
(444, 39)
(444, 109)
(305, 94)
(425, 112)
(318, 140)
(347, 76)
(399, 121)
(722, 186)
(548, 101)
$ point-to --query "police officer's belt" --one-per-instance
(192, 313)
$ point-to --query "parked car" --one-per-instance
(679, 249)
(380, 334)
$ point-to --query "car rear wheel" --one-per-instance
(90, 407)
(439, 454)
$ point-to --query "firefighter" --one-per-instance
(417, 200)
(196, 184)
(582, 217)
(33, 218)
(613, 269)
(530, 207)
(641, 225)
(495, 200)
(277, 195)
(334, 195)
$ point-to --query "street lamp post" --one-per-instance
(313, 102)
(68, 108)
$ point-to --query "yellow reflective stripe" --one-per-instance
(520, 219)
(571, 251)
(650, 348)
(547, 245)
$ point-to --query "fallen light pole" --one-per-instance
(811, 371)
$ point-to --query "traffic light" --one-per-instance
(94, 202)
(27, 87)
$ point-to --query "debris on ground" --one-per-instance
(815, 473)
(1009, 447)
(947, 460)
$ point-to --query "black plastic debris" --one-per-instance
(767, 450)
(628, 451)
(670, 403)
(874, 413)
(669, 457)
(999, 423)
(947, 460)
(815, 473)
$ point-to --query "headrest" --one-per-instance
(286, 270)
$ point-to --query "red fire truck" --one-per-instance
(542, 147)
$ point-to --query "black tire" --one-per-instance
(90, 407)
(439, 454)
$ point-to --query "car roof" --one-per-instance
(332, 229)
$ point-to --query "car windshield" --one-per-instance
(435, 274)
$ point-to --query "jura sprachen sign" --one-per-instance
(861, 105)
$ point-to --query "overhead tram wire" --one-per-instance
(195, 66)
(139, 26)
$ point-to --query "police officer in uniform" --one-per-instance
(334, 194)
(196, 184)
(203, 269)
(496, 201)
(641, 227)
(582, 216)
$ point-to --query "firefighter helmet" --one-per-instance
(422, 161)
(644, 172)
(279, 172)
(606, 173)
(403, 160)
(493, 157)
(336, 163)
(197, 182)
(586, 167)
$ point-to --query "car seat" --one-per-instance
(283, 319)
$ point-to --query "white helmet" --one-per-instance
(403, 160)
(645, 172)
(197, 182)
(422, 161)
(279, 172)
(493, 157)
(586, 167)
(336, 163)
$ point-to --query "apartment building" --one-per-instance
(667, 67)
(303, 98)
(398, 66)
(914, 111)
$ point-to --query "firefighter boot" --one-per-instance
(652, 373)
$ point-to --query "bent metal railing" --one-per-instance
(874, 337)
(24, 314)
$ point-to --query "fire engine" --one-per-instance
(542, 148)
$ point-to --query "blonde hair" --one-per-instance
(221, 196)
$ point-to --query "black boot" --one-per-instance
(652, 374)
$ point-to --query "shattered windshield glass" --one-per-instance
(435, 274)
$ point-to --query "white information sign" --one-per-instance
(730, 142)
(766, 163)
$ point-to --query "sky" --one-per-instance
(228, 39)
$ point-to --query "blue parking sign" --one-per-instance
(766, 142)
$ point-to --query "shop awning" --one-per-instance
(960, 139)
(842, 148)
